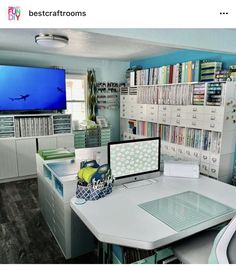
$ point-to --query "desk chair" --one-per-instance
(210, 246)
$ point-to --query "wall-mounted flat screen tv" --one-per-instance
(29, 88)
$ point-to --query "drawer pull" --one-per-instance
(213, 118)
(214, 159)
(213, 170)
(178, 115)
(212, 125)
(194, 116)
(204, 157)
(194, 109)
(194, 123)
(178, 121)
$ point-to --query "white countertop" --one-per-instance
(117, 218)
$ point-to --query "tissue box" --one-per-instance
(189, 169)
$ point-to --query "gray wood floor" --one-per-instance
(24, 235)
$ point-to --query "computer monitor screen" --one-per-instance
(134, 159)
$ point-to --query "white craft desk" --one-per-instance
(117, 218)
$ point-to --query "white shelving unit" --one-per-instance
(196, 123)
(56, 186)
(22, 135)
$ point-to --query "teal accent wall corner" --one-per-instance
(182, 56)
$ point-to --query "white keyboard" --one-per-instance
(137, 184)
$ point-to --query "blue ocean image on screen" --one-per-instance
(26, 88)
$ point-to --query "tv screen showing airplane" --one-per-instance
(28, 88)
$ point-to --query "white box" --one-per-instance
(189, 169)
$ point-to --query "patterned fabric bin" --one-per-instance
(89, 193)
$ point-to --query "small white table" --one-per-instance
(117, 218)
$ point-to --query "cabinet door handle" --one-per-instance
(213, 118)
(204, 157)
(178, 121)
(178, 115)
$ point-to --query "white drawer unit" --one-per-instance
(205, 156)
(214, 159)
(151, 113)
(213, 170)
(209, 126)
(204, 168)
(55, 192)
(195, 109)
(178, 121)
(124, 99)
(165, 108)
(194, 123)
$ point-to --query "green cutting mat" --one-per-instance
(184, 210)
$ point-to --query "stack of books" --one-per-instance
(193, 138)
(178, 135)
(209, 70)
(178, 73)
(33, 126)
(165, 132)
(190, 71)
(211, 141)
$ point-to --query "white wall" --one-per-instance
(212, 40)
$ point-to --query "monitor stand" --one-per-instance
(137, 184)
(136, 178)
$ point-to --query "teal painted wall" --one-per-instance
(182, 56)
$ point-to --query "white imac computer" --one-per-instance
(134, 160)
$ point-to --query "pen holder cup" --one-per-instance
(89, 193)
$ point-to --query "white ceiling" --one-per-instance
(81, 44)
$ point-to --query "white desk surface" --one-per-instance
(117, 219)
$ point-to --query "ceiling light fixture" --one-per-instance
(51, 40)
